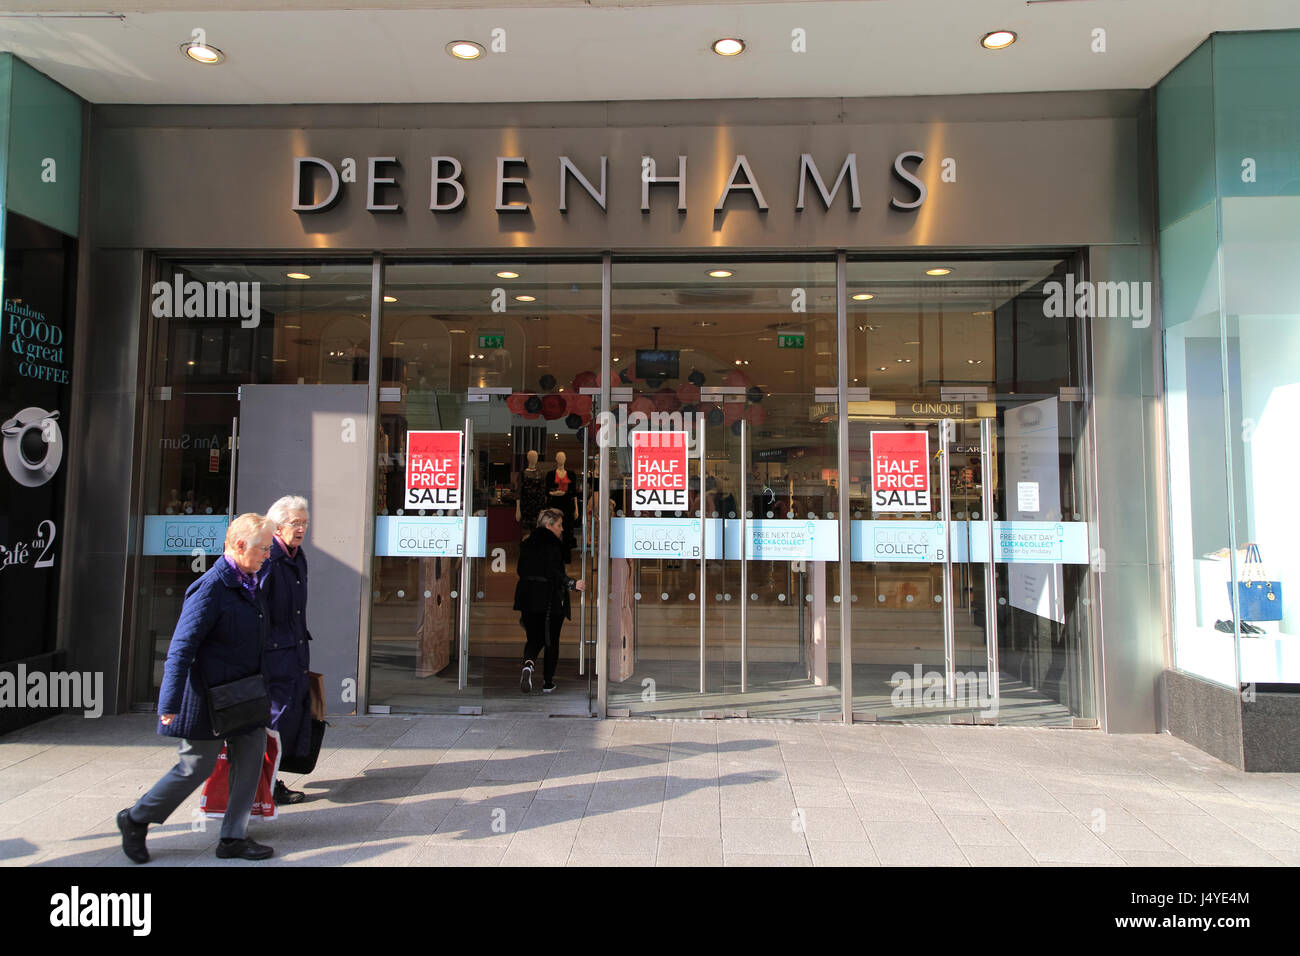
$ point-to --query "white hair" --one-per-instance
(278, 513)
(247, 528)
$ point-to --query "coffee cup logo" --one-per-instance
(33, 446)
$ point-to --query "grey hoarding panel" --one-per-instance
(314, 441)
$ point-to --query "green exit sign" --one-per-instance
(789, 341)
(491, 340)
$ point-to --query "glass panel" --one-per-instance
(968, 341)
(1198, 474)
(1257, 109)
(741, 345)
(217, 326)
(507, 346)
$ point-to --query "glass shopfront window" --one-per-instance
(1229, 164)
(724, 597)
(214, 327)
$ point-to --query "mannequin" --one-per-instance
(530, 494)
(562, 492)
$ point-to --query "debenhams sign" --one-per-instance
(384, 183)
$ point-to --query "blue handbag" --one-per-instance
(1258, 598)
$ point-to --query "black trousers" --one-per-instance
(535, 632)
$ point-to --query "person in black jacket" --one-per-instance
(542, 596)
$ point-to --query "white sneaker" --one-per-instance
(526, 678)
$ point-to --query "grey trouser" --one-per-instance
(197, 760)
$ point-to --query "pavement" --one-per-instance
(536, 791)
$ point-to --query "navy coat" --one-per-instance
(218, 639)
(283, 582)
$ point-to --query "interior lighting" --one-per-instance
(464, 49)
(202, 52)
(728, 46)
(937, 272)
(507, 275)
(997, 40)
(720, 274)
(296, 275)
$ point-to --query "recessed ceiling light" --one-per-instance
(543, 346)
(396, 343)
(293, 326)
(728, 46)
(981, 313)
(390, 298)
(937, 272)
(296, 275)
(997, 40)
(881, 368)
(720, 274)
(456, 331)
(279, 360)
(464, 49)
(863, 297)
(913, 342)
(203, 53)
(507, 275)
(525, 298)
(974, 361)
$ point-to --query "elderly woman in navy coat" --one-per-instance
(283, 581)
(218, 639)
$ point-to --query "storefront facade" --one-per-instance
(791, 284)
(1229, 172)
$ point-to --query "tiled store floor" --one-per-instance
(394, 791)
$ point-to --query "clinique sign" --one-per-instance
(447, 191)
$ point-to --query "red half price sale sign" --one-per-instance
(659, 471)
(900, 471)
(433, 469)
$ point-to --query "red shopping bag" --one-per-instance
(216, 791)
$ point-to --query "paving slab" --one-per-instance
(519, 790)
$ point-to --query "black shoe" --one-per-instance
(548, 687)
(284, 795)
(244, 849)
(133, 837)
(526, 678)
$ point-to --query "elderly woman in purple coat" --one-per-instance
(283, 583)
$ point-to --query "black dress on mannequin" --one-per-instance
(532, 498)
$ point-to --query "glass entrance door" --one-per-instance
(725, 608)
(972, 605)
(504, 353)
